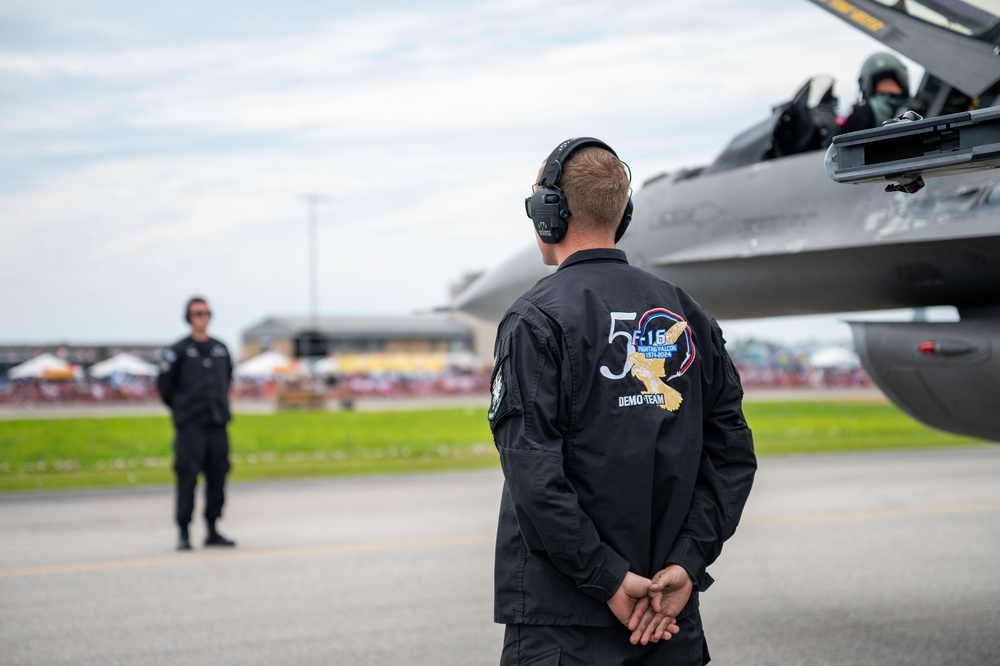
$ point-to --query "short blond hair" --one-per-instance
(596, 186)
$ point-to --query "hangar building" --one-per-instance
(404, 334)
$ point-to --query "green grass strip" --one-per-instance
(86, 452)
(828, 427)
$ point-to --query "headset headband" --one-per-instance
(554, 164)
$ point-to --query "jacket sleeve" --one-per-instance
(725, 472)
(166, 381)
(861, 118)
(527, 389)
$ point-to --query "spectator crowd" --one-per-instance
(761, 364)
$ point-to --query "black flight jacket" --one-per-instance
(618, 417)
(194, 382)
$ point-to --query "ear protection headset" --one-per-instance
(187, 308)
(547, 204)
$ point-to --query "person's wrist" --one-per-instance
(690, 577)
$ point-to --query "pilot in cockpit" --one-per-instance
(885, 93)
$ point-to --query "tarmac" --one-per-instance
(877, 558)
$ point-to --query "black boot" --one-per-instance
(183, 542)
(216, 539)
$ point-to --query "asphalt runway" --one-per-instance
(887, 558)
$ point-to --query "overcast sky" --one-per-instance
(153, 150)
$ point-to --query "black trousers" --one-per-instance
(549, 645)
(197, 449)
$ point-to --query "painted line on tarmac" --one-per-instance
(231, 555)
(868, 514)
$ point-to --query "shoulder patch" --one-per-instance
(502, 401)
(498, 393)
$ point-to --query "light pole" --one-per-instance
(309, 340)
(313, 201)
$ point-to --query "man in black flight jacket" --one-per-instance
(618, 417)
(195, 374)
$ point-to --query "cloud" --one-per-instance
(151, 158)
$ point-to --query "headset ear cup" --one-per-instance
(626, 219)
(549, 214)
(559, 222)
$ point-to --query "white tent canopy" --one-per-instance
(125, 364)
(325, 366)
(835, 357)
(43, 365)
(267, 364)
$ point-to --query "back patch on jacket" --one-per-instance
(659, 348)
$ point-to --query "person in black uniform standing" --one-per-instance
(618, 417)
(194, 380)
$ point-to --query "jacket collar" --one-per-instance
(602, 255)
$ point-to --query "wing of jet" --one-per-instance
(763, 231)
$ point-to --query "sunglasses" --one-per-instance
(201, 313)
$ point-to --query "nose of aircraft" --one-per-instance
(489, 296)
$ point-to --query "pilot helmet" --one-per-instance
(879, 66)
